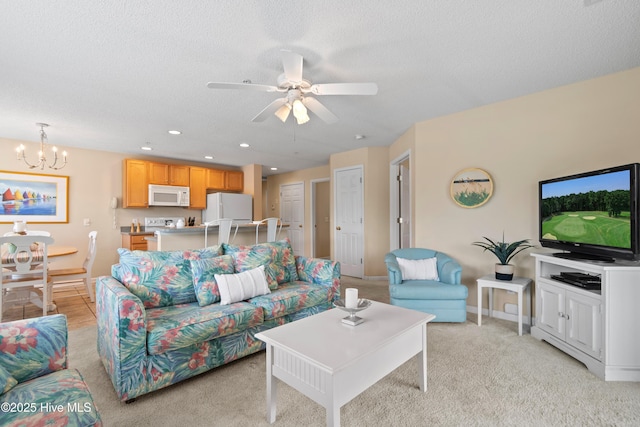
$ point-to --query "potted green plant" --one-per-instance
(504, 251)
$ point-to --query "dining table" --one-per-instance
(34, 295)
(54, 251)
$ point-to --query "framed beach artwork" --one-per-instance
(471, 188)
(34, 198)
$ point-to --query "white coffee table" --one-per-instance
(331, 362)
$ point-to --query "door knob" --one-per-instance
(300, 226)
(338, 228)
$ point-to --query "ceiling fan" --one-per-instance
(298, 91)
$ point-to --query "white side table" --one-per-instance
(518, 284)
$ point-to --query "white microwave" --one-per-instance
(168, 195)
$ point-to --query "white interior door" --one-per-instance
(349, 224)
(405, 205)
(400, 202)
(292, 213)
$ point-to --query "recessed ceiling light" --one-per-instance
(274, 169)
(358, 137)
(244, 145)
(208, 157)
(146, 148)
(175, 132)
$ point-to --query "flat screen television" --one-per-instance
(592, 215)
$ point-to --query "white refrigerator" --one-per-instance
(238, 207)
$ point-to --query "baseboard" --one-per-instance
(375, 277)
(499, 315)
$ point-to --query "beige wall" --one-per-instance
(94, 178)
(273, 196)
(253, 186)
(580, 127)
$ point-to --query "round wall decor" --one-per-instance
(471, 188)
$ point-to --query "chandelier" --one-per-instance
(42, 159)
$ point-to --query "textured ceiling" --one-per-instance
(115, 75)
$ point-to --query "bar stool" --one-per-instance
(274, 226)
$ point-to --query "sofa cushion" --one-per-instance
(204, 282)
(291, 297)
(418, 269)
(160, 278)
(40, 341)
(277, 257)
(242, 286)
(428, 289)
(178, 326)
(7, 382)
(64, 390)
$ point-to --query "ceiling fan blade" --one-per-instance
(319, 110)
(292, 63)
(344, 89)
(244, 86)
(269, 109)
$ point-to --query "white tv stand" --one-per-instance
(597, 327)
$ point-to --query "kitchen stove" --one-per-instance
(156, 223)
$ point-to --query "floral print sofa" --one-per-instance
(36, 387)
(160, 320)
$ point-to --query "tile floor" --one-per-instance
(70, 298)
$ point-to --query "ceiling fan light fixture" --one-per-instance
(283, 112)
(300, 112)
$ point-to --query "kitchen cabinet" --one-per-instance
(135, 192)
(138, 174)
(135, 242)
(163, 174)
(158, 173)
(596, 327)
(225, 180)
(179, 175)
(234, 180)
(197, 188)
(215, 179)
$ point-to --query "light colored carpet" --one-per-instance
(476, 376)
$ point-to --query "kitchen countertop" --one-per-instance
(142, 232)
(198, 229)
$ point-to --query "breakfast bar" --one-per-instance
(173, 238)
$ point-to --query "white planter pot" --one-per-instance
(504, 272)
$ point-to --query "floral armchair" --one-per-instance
(37, 388)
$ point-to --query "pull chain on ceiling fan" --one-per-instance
(298, 91)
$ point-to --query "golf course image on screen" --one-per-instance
(597, 218)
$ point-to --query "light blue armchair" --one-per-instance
(446, 298)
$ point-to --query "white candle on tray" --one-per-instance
(351, 298)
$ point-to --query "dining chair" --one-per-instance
(24, 265)
(274, 226)
(76, 273)
(224, 230)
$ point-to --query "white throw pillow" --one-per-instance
(419, 269)
(242, 286)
